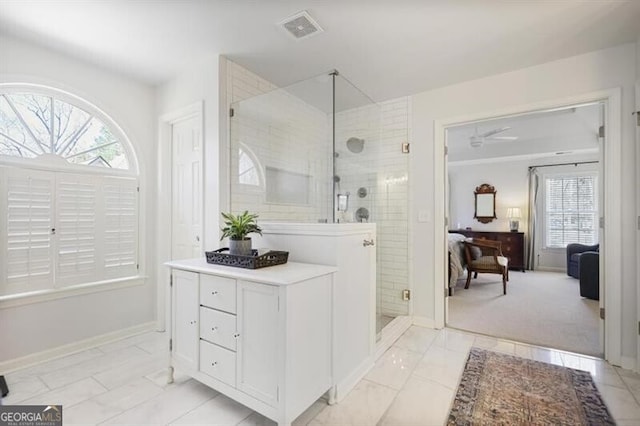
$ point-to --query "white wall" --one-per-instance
(601, 70)
(38, 327)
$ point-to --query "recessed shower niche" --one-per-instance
(318, 151)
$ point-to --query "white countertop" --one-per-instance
(289, 273)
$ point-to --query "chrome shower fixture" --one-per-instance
(355, 145)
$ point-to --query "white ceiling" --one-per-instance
(386, 48)
(570, 132)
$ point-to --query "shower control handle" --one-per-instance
(366, 243)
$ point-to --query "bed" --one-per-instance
(456, 259)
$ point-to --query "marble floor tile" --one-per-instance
(111, 403)
(160, 377)
(25, 388)
(417, 339)
(220, 411)
(601, 371)
(633, 384)
(496, 345)
(621, 403)
(134, 340)
(310, 413)
(155, 345)
(420, 403)
(623, 372)
(454, 340)
(137, 366)
(171, 404)
(364, 405)
(53, 365)
(539, 354)
(442, 366)
(93, 366)
(256, 419)
(394, 367)
(68, 395)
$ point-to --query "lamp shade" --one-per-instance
(514, 213)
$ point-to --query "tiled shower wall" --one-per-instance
(382, 170)
(277, 130)
(284, 132)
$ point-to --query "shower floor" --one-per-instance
(382, 321)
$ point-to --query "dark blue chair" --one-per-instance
(590, 275)
(574, 253)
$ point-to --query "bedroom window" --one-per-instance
(571, 210)
(68, 194)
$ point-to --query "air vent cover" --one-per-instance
(301, 25)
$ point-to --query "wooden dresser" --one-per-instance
(512, 244)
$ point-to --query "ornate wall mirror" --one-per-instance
(485, 203)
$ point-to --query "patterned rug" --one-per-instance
(498, 389)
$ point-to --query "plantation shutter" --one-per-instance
(62, 229)
(120, 227)
(27, 216)
(571, 210)
(76, 197)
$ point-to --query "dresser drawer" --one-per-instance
(218, 293)
(218, 327)
(218, 362)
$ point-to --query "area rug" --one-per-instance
(499, 389)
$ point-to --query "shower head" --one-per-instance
(355, 145)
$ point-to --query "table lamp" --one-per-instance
(514, 214)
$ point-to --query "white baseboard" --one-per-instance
(71, 348)
(349, 382)
(424, 322)
(628, 363)
(391, 333)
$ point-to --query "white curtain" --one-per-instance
(532, 218)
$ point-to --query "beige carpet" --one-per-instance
(542, 308)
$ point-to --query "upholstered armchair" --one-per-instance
(485, 256)
(574, 253)
(590, 275)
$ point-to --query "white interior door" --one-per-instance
(601, 230)
(186, 194)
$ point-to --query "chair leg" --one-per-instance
(468, 279)
(505, 278)
(475, 274)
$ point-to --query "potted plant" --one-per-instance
(236, 229)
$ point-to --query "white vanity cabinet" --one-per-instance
(262, 337)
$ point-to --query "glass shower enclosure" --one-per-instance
(322, 151)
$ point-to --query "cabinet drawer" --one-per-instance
(217, 362)
(218, 327)
(218, 293)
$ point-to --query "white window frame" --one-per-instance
(54, 290)
(543, 211)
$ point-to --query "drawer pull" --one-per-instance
(214, 293)
(213, 364)
(214, 328)
(236, 335)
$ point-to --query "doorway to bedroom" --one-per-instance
(526, 191)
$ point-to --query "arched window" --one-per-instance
(68, 193)
(249, 172)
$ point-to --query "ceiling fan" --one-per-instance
(477, 140)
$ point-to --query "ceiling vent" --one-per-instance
(301, 25)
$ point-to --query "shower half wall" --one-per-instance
(284, 167)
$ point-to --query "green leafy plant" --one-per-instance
(238, 227)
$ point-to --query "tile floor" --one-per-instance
(413, 383)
